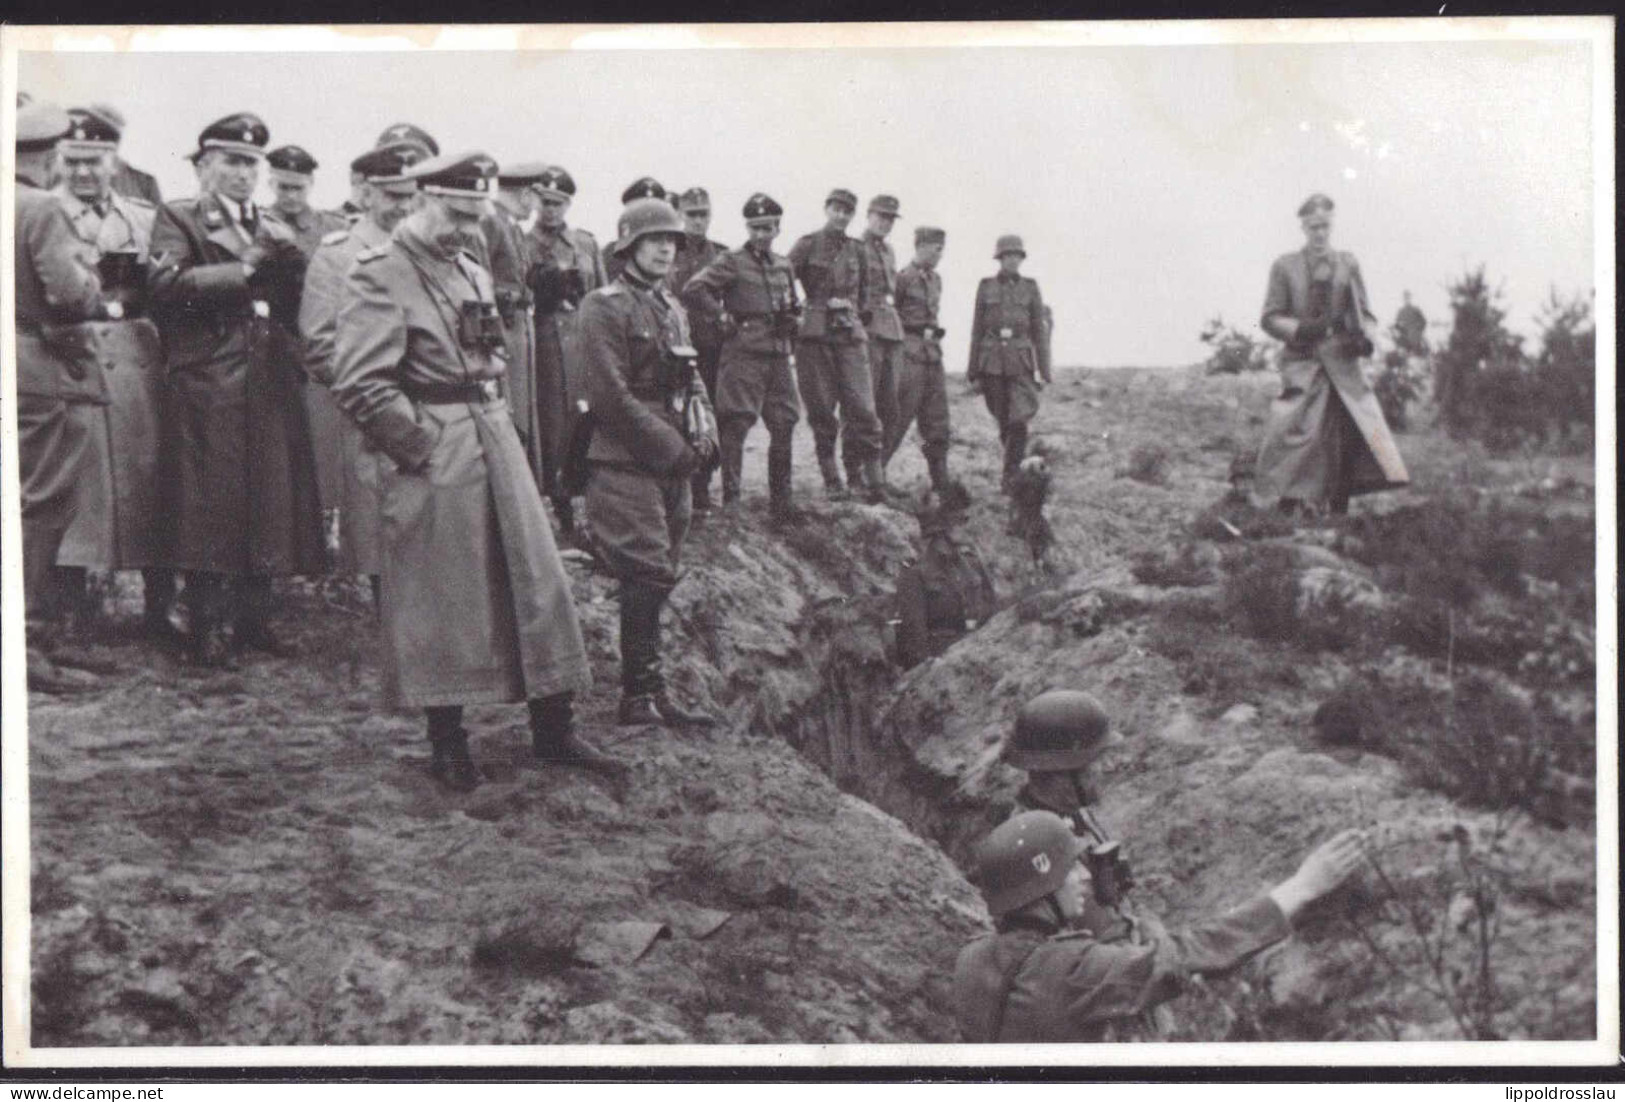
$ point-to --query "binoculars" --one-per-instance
(785, 323)
(678, 366)
(123, 277)
(479, 326)
(1111, 872)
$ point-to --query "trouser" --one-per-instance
(836, 376)
(886, 366)
(922, 394)
(1012, 400)
(53, 448)
(751, 385)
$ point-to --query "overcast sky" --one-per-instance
(1153, 184)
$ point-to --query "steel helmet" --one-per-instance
(645, 216)
(1024, 859)
(1060, 729)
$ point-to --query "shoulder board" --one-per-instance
(335, 237)
(1073, 935)
(138, 203)
(367, 255)
(585, 235)
(611, 289)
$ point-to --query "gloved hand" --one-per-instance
(1361, 345)
(706, 449)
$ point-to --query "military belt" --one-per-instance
(931, 332)
(451, 394)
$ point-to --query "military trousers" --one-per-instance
(922, 394)
(53, 450)
(756, 384)
(638, 522)
(1011, 399)
(835, 377)
(886, 367)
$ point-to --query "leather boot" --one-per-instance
(937, 465)
(1015, 450)
(733, 460)
(875, 489)
(781, 512)
(252, 630)
(450, 763)
(211, 648)
(157, 598)
(640, 653)
(554, 741)
(834, 488)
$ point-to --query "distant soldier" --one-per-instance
(832, 354)
(752, 293)
(566, 267)
(653, 429)
(1009, 350)
(644, 187)
(922, 389)
(509, 247)
(128, 180)
(56, 285)
(878, 312)
(476, 604)
(948, 593)
(117, 523)
(386, 196)
(236, 462)
(1411, 328)
(1327, 439)
(1039, 980)
(697, 252)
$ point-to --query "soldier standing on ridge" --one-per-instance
(757, 312)
(697, 252)
(56, 283)
(236, 455)
(1411, 326)
(567, 266)
(117, 527)
(386, 196)
(476, 605)
(878, 312)
(1009, 350)
(832, 354)
(922, 389)
(653, 429)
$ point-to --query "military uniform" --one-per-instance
(697, 252)
(942, 597)
(756, 378)
(878, 310)
(1032, 983)
(1009, 353)
(510, 263)
(132, 183)
(922, 390)
(644, 187)
(832, 353)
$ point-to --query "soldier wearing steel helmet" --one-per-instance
(653, 427)
(644, 187)
(1009, 349)
(1036, 979)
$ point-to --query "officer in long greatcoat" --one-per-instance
(653, 428)
(922, 388)
(477, 608)
(566, 267)
(1009, 349)
(386, 196)
(117, 527)
(56, 285)
(698, 251)
(1327, 439)
(236, 464)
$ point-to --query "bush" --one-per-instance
(1566, 366)
(1479, 343)
(1234, 351)
(1399, 383)
(1261, 597)
(1148, 463)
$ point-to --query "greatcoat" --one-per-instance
(567, 266)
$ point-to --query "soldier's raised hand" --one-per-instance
(1324, 869)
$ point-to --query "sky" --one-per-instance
(1153, 184)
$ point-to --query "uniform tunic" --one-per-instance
(880, 321)
(1009, 347)
(695, 255)
(117, 526)
(1033, 985)
(510, 263)
(832, 358)
(56, 285)
(1327, 437)
(567, 258)
(360, 488)
(476, 604)
(236, 466)
(947, 594)
(922, 389)
(755, 377)
(638, 498)
(133, 183)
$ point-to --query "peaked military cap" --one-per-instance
(406, 132)
(929, 235)
(885, 204)
(39, 126)
(555, 183)
(1316, 202)
(762, 208)
(240, 133)
(1009, 243)
(695, 198)
(522, 174)
(90, 132)
(291, 160)
(644, 187)
(462, 176)
(842, 196)
(388, 163)
(110, 113)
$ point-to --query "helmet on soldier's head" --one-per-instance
(1024, 859)
(1060, 729)
(643, 217)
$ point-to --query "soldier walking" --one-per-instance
(832, 354)
(236, 462)
(752, 293)
(56, 284)
(922, 389)
(1009, 350)
(476, 605)
(117, 526)
(653, 428)
(878, 311)
(697, 252)
(386, 196)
